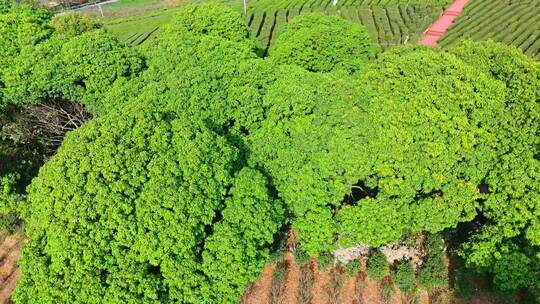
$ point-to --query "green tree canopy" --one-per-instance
(309, 143)
(74, 24)
(210, 19)
(432, 123)
(186, 67)
(321, 43)
(142, 206)
(509, 242)
(20, 25)
(79, 68)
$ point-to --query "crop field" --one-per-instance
(507, 21)
(391, 22)
(138, 29)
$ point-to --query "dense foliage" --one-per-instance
(321, 43)
(434, 272)
(74, 24)
(403, 276)
(377, 266)
(210, 19)
(156, 201)
(21, 26)
(79, 68)
(436, 121)
(201, 154)
(508, 245)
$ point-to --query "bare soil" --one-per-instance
(9, 273)
(318, 290)
(348, 291)
(293, 279)
(372, 292)
(260, 291)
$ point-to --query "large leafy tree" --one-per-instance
(21, 25)
(136, 207)
(321, 43)
(79, 68)
(74, 24)
(310, 144)
(237, 251)
(432, 122)
(509, 242)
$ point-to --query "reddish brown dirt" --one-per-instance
(357, 290)
(348, 291)
(307, 279)
(293, 279)
(398, 297)
(9, 273)
(259, 292)
(423, 297)
(8, 286)
(318, 290)
(372, 293)
(440, 297)
(9, 265)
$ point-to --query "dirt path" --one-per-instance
(259, 293)
(348, 291)
(439, 28)
(9, 264)
(9, 273)
(293, 279)
(372, 293)
(8, 286)
(318, 290)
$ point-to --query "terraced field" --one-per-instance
(515, 22)
(391, 22)
(140, 28)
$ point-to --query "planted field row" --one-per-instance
(389, 24)
(142, 29)
(507, 21)
(284, 4)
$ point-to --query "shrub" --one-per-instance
(403, 276)
(209, 19)
(74, 24)
(8, 195)
(353, 267)
(301, 257)
(377, 267)
(321, 43)
(325, 260)
(433, 272)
